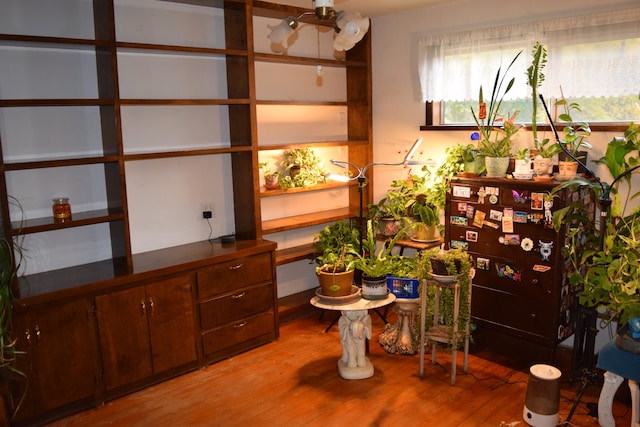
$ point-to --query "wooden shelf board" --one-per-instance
(313, 144)
(184, 153)
(296, 253)
(78, 219)
(292, 305)
(306, 220)
(318, 187)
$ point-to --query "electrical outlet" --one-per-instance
(208, 210)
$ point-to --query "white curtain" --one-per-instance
(592, 55)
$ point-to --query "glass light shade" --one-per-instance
(281, 32)
(353, 27)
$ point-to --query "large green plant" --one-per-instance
(458, 263)
(335, 245)
(11, 257)
(374, 262)
(311, 166)
(606, 260)
(496, 141)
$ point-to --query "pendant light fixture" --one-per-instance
(350, 27)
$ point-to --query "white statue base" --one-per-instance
(355, 329)
(357, 373)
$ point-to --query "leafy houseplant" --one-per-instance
(458, 263)
(496, 142)
(11, 257)
(335, 245)
(607, 260)
(378, 263)
(270, 172)
(574, 134)
(305, 168)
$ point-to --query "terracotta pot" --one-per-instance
(567, 170)
(271, 182)
(388, 227)
(335, 284)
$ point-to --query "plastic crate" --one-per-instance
(402, 287)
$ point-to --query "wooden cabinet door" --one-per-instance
(171, 322)
(124, 336)
(62, 363)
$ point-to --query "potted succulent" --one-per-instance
(495, 142)
(391, 212)
(607, 260)
(270, 173)
(305, 168)
(335, 246)
(573, 141)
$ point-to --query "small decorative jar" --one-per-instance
(61, 209)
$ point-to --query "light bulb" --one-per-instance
(319, 70)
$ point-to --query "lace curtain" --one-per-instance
(592, 55)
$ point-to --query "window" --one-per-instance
(593, 60)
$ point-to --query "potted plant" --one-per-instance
(457, 263)
(495, 142)
(305, 168)
(573, 141)
(270, 173)
(522, 164)
(607, 260)
(376, 264)
(335, 246)
(391, 212)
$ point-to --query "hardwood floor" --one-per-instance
(294, 382)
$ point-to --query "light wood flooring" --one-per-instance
(294, 382)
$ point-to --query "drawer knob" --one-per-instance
(535, 281)
(533, 315)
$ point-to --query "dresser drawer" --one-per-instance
(240, 334)
(239, 273)
(517, 314)
(215, 312)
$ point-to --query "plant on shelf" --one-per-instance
(606, 260)
(457, 263)
(305, 168)
(495, 141)
(270, 173)
(535, 78)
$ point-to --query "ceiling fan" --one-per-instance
(350, 27)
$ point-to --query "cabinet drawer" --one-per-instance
(235, 274)
(520, 315)
(238, 305)
(238, 333)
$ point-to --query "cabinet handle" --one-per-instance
(27, 336)
(240, 295)
(143, 307)
(37, 331)
(151, 306)
(239, 325)
(535, 281)
(236, 267)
